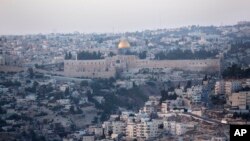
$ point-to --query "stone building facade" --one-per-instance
(106, 68)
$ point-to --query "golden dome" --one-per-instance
(123, 44)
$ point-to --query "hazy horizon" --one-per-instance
(95, 16)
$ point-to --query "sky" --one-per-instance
(88, 16)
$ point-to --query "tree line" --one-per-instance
(186, 54)
(236, 71)
(84, 55)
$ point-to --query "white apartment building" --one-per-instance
(182, 128)
(177, 128)
(196, 98)
(126, 114)
(232, 86)
(118, 127)
(63, 101)
(227, 87)
(144, 129)
(148, 109)
(164, 107)
(170, 105)
(219, 87)
(88, 138)
(107, 127)
(195, 93)
(131, 130)
(147, 129)
(154, 100)
(179, 92)
(114, 127)
(169, 126)
(194, 90)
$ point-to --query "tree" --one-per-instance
(236, 71)
(216, 100)
(2, 111)
(205, 78)
(84, 83)
(150, 83)
(28, 81)
(189, 84)
(161, 126)
(84, 55)
(36, 66)
(2, 123)
(31, 72)
(35, 84)
(187, 54)
(103, 117)
(68, 56)
(110, 133)
(72, 109)
(166, 96)
(179, 86)
(111, 54)
(66, 92)
(95, 120)
(43, 89)
(143, 55)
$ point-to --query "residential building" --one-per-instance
(227, 87)
(240, 100)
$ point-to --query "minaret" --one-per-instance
(221, 57)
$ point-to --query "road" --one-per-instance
(214, 121)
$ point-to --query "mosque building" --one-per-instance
(123, 47)
(107, 67)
